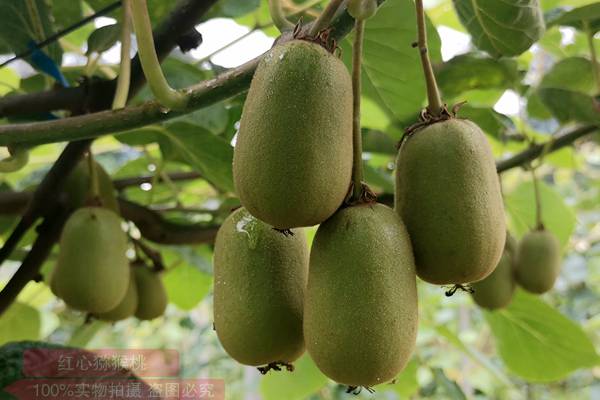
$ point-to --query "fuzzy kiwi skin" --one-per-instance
(126, 307)
(292, 161)
(538, 261)
(152, 295)
(260, 280)
(497, 289)
(92, 271)
(360, 315)
(448, 195)
(77, 187)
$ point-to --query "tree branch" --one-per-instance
(206, 93)
(98, 94)
(155, 228)
(534, 152)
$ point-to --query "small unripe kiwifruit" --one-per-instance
(152, 295)
(92, 271)
(448, 195)
(293, 157)
(497, 289)
(362, 9)
(126, 308)
(260, 279)
(77, 187)
(360, 314)
(538, 261)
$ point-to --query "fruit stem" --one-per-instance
(357, 167)
(538, 203)
(278, 16)
(122, 91)
(94, 190)
(325, 18)
(593, 55)
(433, 94)
(166, 95)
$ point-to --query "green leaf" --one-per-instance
(20, 322)
(9, 81)
(209, 154)
(567, 105)
(392, 74)
(25, 21)
(186, 286)
(66, 12)
(103, 39)
(303, 382)
(233, 8)
(491, 122)
(472, 71)
(502, 28)
(572, 73)
(537, 342)
(557, 216)
(575, 18)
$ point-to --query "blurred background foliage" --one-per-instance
(536, 348)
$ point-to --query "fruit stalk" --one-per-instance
(164, 93)
(278, 16)
(325, 18)
(539, 225)
(594, 57)
(433, 93)
(122, 90)
(94, 193)
(357, 167)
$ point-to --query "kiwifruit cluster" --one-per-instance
(533, 264)
(93, 273)
(352, 302)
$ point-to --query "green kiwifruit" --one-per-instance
(260, 279)
(152, 295)
(538, 261)
(360, 313)
(497, 289)
(126, 307)
(92, 271)
(448, 195)
(77, 187)
(292, 161)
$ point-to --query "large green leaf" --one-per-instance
(209, 154)
(20, 322)
(572, 73)
(186, 286)
(502, 28)
(493, 123)
(392, 72)
(233, 8)
(557, 216)
(25, 21)
(537, 342)
(472, 71)
(304, 381)
(568, 105)
(578, 18)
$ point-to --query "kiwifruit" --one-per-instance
(260, 279)
(497, 289)
(448, 194)
(293, 157)
(92, 271)
(152, 295)
(126, 307)
(77, 187)
(538, 261)
(360, 312)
